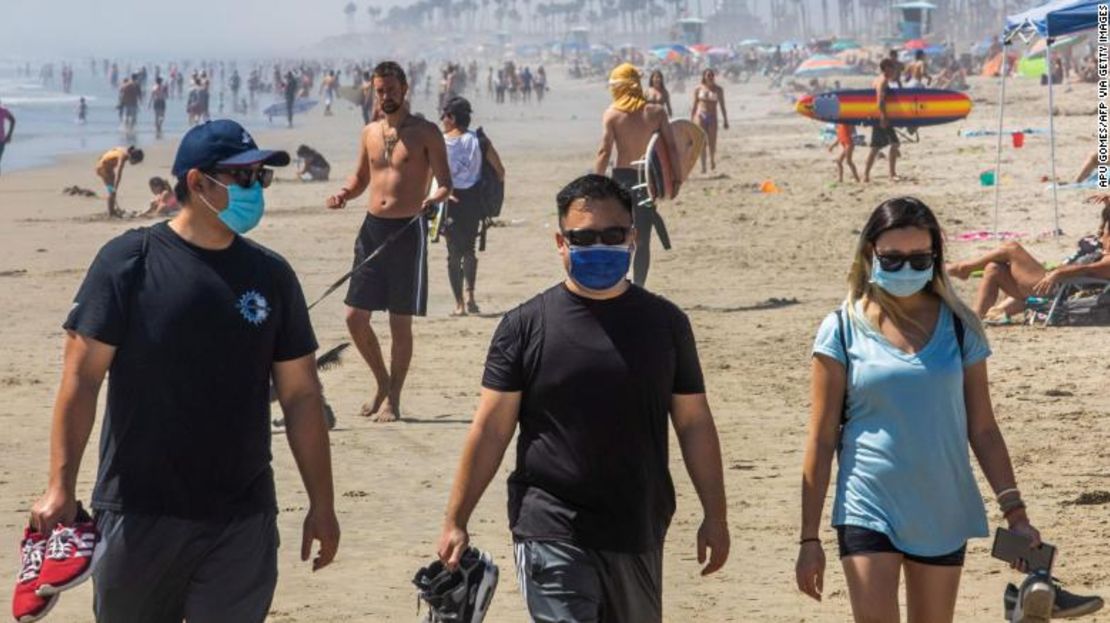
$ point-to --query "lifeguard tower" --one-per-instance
(691, 30)
(916, 19)
(578, 38)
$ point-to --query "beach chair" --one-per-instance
(1083, 301)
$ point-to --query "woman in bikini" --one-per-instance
(1011, 273)
(657, 92)
(707, 96)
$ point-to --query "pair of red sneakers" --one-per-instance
(52, 564)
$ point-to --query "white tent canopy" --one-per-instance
(1054, 19)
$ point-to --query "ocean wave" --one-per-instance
(44, 100)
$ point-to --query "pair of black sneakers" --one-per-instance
(459, 596)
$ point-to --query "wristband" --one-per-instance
(809, 540)
(1001, 494)
(1006, 513)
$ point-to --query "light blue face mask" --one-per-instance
(244, 206)
(900, 283)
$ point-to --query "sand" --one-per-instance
(734, 249)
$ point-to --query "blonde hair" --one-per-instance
(899, 213)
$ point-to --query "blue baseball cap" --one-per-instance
(222, 142)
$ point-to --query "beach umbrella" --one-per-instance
(719, 53)
(1037, 50)
(789, 45)
(700, 48)
(820, 65)
(844, 44)
(750, 42)
(915, 44)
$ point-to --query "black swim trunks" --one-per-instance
(397, 279)
(881, 137)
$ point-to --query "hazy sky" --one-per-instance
(41, 28)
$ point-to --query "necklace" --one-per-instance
(389, 142)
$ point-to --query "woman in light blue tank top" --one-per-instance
(899, 393)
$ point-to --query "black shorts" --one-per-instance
(397, 279)
(857, 540)
(881, 137)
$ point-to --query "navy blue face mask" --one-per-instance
(599, 267)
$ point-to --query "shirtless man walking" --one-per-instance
(629, 123)
(917, 74)
(398, 155)
(883, 134)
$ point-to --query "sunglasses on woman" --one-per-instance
(245, 177)
(893, 262)
(589, 237)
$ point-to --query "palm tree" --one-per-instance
(350, 11)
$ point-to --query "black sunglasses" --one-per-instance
(893, 262)
(589, 237)
(245, 177)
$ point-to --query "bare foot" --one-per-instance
(370, 409)
(387, 413)
(959, 270)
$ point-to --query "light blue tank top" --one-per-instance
(904, 466)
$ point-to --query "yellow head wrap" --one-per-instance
(624, 84)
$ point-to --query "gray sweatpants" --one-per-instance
(564, 583)
(157, 569)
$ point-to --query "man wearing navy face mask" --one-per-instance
(590, 370)
(193, 320)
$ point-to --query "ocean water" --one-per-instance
(46, 117)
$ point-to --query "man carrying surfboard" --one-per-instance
(629, 123)
(398, 155)
(883, 134)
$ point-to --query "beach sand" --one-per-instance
(734, 250)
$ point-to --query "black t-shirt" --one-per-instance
(187, 428)
(597, 379)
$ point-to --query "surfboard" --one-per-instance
(905, 108)
(690, 141)
(352, 94)
(301, 105)
(656, 173)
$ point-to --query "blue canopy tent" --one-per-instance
(1050, 20)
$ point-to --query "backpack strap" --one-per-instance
(958, 325)
(844, 347)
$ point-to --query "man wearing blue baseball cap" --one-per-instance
(192, 319)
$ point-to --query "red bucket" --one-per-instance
(1018, 138)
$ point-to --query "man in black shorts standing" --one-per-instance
(193, 320)
(883, 134)
(591, 369)
(398, 155)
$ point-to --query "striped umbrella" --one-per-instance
(820, 65)
(916, 44)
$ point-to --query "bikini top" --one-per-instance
(706, 95)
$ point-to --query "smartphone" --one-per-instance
(1011, 547)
